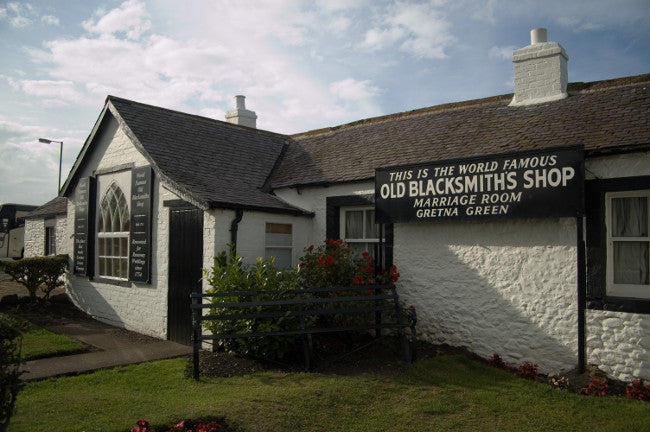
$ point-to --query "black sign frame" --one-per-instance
(543, 183)
(140, 235)
(84, 222)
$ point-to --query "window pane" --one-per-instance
(278, 234)
(372, 229)
(124, 246)
(354, 224)
(630, 217)
(282, 256)
(631, 263)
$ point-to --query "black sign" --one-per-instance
(83, 223)
(546, 183)
(140, 238)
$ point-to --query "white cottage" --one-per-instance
(155, 194)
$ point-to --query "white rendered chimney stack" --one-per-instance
(541, 73)
(240, 115)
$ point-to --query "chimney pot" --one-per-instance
(240, 102)
(538, 35)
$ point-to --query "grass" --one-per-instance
(41, 343)
(446, 393)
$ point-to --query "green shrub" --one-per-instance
(38, 272)
(10, 345)
(229, 274)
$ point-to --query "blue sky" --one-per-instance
(302, 65)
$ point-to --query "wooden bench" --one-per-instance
(309, 306)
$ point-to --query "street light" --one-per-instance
(49, 141)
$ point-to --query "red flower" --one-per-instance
(358, 280)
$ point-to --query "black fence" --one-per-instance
(313, 312)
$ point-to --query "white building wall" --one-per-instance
(313, 199)
(136, 306)
(619, 342)
(506, 287)
(34, 240)
(216, 235)
(252, 231)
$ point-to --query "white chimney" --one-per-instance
(541, 73)
(240, 115)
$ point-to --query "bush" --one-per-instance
(229, 274)
(11, 331)
(528, 370)
(333, 265)
(596, 388)
(638, 391)
(497, 362)
(38, 272)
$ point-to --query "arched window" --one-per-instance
(113, 234)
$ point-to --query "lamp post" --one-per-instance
(49, 141)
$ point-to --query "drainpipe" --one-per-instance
(582, 296)
(234, 226)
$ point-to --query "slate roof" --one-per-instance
(604, 116)
(56, 206)
(221, 164)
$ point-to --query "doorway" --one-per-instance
(185, 270)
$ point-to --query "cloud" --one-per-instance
(352, 89)
(418, 29)
(50, 20)
(22, 15)
(130, 19)
(502, 52)
(59, 91)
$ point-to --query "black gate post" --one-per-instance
(196, 332)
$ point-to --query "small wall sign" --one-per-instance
(140, 237)
(534, 184)
(83, 225)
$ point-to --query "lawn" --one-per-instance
(40, 343)
(445, 393)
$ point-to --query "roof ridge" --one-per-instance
(189, 115)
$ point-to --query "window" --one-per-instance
(278, 244)
(358, 229)
(113, 234)
(628, 244)
(50, 239)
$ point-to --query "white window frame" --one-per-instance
(623, 290)
(270, 247)
(104, 235)
(50, 237)
(356, 241)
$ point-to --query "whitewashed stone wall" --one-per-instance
(506, 287)
(34, 241)
(619, 342)
(137, 307)
(216, 236)
(313, 199)
(252, 231)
